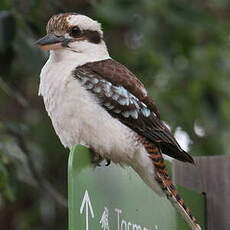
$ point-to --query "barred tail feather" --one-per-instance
(177, 201)
(161, 176)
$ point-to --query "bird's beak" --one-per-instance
(52, 42)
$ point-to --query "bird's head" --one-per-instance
(73, 33)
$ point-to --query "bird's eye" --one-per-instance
(75, 32)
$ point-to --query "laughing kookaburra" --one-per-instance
(97, 102)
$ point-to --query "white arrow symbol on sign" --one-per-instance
(87, 204)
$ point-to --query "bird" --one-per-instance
(97, 102)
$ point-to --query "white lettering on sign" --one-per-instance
(86, 203)
(105, 219)
(123, 224)
(136, 227)
(118, 211)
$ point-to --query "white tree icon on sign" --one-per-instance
(105, 219)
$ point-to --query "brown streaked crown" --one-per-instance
(58, 22)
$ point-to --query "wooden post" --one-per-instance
(210, 175)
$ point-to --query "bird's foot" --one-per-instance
(97, 159)
(108, 162)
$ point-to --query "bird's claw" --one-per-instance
(108, 162)
(97, 159)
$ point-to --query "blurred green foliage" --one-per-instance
(181, 51)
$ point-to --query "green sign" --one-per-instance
(115, 198)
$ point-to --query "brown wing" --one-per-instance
(118, 74)
(121, 103)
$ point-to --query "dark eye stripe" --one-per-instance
(92, 36)
(75, 32)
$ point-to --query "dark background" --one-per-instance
(180, 50)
